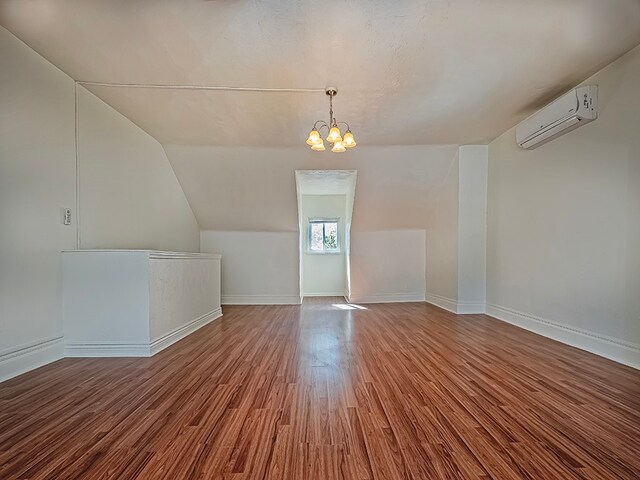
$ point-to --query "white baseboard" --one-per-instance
(21, 359)
(261, 300)
(614, 349)
(112, 349)
(471, 308)
(324, 294)
(387, 298)
(172, 337)
(453, 306)
(139, 349)
(448, 304)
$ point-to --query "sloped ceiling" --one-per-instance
(241, 188)
(409, 72)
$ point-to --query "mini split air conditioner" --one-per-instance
(570, 111)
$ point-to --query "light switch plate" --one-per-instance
(66, 216)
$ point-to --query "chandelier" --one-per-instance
(338, 143)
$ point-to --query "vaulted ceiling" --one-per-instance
(408, 72)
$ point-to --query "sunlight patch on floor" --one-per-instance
(349, 306)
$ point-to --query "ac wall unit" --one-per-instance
(570, 111)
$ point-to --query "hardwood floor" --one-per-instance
(323, 391)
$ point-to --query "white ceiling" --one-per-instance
(409, 72)
(325, 182)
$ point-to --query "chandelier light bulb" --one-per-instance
(349, 141)
(314, 137)
(338, 147)
(334, 135)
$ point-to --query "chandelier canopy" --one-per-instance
(338, 143)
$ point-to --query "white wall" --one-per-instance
(129, 195)
(263, 267)
(456, 236)
(132, 197)
(350, 196)
(184, 292)
(564, 226)
(387, 266)
(442, 243)
(472, 228)
(105, 298)
(37, 178)
(257, 267)
(238, 192)
(323, 275)
(131, 303)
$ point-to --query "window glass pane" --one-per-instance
(331, 236)
(316, 240)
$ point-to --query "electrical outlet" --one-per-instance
(66, 216)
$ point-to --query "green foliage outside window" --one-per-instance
(323, 236)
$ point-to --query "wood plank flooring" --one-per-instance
(329, 391)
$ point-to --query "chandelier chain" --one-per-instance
(331, 121)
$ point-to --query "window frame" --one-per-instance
(315, 220)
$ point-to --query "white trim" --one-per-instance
(114, 349)
(451, 305)
(323, 252)
(448, 304)
(470, 308)
(615, 349)
(21, 359)
(179, 333)
(158, 254)
(183, 256)
(87, 350)
(324, 294)
(261, 300)
(387, 298)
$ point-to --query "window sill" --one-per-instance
(309, 252)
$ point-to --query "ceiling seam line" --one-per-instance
(199, 87)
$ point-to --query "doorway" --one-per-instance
(325, 205)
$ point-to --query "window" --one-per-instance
(323, 236)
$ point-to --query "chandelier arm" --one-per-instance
(324, 124)
(348, 128)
